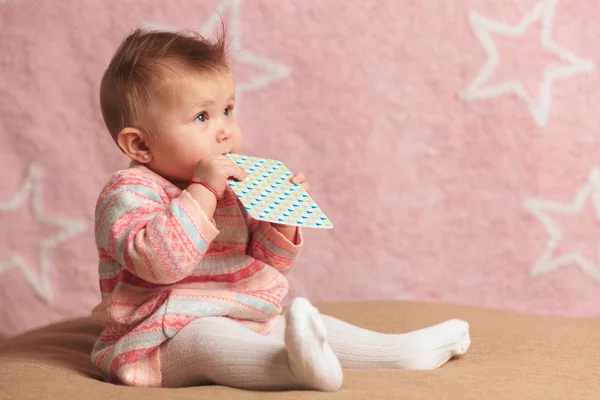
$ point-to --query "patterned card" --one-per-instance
(268, 195)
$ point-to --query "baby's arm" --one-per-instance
(270, 246)
(156, 241)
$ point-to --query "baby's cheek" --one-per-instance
(237, 146)
(197, 150)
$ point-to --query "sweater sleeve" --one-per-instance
(159, 242)
(268, 245)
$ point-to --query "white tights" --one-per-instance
(305, 350)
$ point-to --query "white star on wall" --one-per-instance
(271, 71)
(540, 108)
(542, 211)
(32, 187)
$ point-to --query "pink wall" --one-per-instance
(449, 177)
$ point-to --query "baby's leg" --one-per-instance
(427, 348)
(219, 350)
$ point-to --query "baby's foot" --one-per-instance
(311, 359)
(432, 347)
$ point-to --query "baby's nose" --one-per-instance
(224, 134)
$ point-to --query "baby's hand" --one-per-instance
(300, 179)
(215, 170)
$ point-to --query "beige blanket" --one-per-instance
(513, 356)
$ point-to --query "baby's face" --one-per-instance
(194, 120)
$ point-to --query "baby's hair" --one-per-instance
(141, 67)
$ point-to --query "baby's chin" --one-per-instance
(181, 180)
(180, 183)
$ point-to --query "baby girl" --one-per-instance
(191, 285)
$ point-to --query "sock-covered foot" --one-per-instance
(432, 347)
(311, 359)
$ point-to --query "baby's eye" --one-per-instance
(228, 111)
(202, 117)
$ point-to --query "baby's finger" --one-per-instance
(240, 172)
(298, 178)
(237, 172)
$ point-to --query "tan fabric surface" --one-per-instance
(513, 356)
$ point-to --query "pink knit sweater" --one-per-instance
(163, 263)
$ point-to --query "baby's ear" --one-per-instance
(132, 142)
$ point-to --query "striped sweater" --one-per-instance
(163, 263)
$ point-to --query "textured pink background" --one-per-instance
(429, 192)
